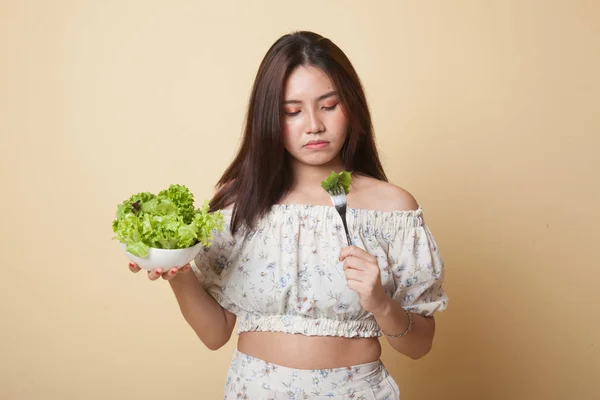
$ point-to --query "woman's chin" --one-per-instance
(321, 161)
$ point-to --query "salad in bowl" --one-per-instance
(164, 230)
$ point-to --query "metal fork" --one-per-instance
(338, 197)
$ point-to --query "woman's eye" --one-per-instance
(292, 113)
(330, 108)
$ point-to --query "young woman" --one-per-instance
(308, 306)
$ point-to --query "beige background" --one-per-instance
(488, 112)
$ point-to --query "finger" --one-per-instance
(355, 285)
(133, 267)
(184, 269)
(360, 253)
(354, 275)
(155, 274)
(170, 273)
(173, 272)
(353, 251)
(355, 263)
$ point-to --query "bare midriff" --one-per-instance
(309, 352)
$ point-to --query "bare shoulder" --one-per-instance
(372, 193)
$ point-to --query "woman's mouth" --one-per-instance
(316, 144)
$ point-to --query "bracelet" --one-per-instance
(403, 333)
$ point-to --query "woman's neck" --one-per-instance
(310, 176)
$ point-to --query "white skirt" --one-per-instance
(250, 378)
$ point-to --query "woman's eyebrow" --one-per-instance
(322, 97)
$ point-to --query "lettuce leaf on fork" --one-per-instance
(344, 179)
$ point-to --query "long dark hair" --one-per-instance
(260, 175)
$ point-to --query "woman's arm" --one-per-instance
(211, 322)
(393, 320)
(363, 276)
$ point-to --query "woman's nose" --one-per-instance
(314, 124)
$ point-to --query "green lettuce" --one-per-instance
(343, 179)
(164, 221)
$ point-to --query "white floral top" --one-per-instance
(285, 274)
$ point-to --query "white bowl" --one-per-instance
(164, 258)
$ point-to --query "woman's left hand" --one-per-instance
(363, 276)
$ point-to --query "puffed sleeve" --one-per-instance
(211, 264)
(418, 270)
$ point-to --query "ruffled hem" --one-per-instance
(248, 322)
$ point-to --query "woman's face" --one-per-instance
(315, 126)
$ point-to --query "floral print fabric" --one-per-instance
(285, 275)
(249, 378)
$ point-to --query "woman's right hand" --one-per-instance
(160, 272)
